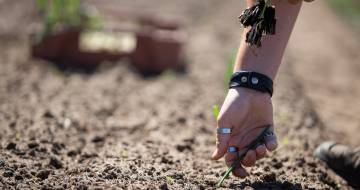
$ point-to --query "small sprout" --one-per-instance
(285, 141)
(215, 111)
(227, 173)
(124, 154)
(229, 69)
(169, 180)
(240, 155)
(18, 136)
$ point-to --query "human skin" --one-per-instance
(247, 111)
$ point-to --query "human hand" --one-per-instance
(246, 112)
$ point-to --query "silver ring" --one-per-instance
(232, 149)
(224, 130)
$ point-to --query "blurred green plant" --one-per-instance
(350, 9)
(58, 15)
(286, 140)
(229, 69)
(215, 111)
(169, 180)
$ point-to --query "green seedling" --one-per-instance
(18, 136)
(169, 180)
(240, 155)
(229, 69)
(124, 154)
(215, 111)
(285, 141)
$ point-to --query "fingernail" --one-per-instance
(241, 173)
(272, 145)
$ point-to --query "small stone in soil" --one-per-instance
(33, 144)
(8, 173)
(164, 186)
(43, 174)
(181, 120)
(277, 165)
(55, 162)
(97, 139)
(11, 146)
(19, 177)
(2, 163)
(82, 187)
(182, 148)
(19, 152)
(12, 125)
(32, 153)
(72, 153)
(269, 177)
(48, 114)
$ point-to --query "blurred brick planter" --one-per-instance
(157, 49)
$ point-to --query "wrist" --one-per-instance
(249, 93)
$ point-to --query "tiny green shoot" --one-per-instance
(169, 180)
(229, 69)
(124, 154)
(18, 136)
(215, 111)
(259, 140)
(227, 173)
(285, 141)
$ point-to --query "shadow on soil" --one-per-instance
(267, 185)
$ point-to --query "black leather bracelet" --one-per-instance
(252, 80)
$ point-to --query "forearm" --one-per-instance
(267, 59)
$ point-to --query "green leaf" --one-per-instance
(226, 175)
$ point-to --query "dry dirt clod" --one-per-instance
(48, 114)
(2, 163)
(164, 186)
(19, 177)
(33, 144)
(98, 139)
(8, 173)
(43, 174)
(11, 146)
(56, 163)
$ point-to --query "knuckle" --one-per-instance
(221, 121)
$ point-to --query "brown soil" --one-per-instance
(114, 129)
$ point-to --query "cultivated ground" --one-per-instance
(114, 129)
